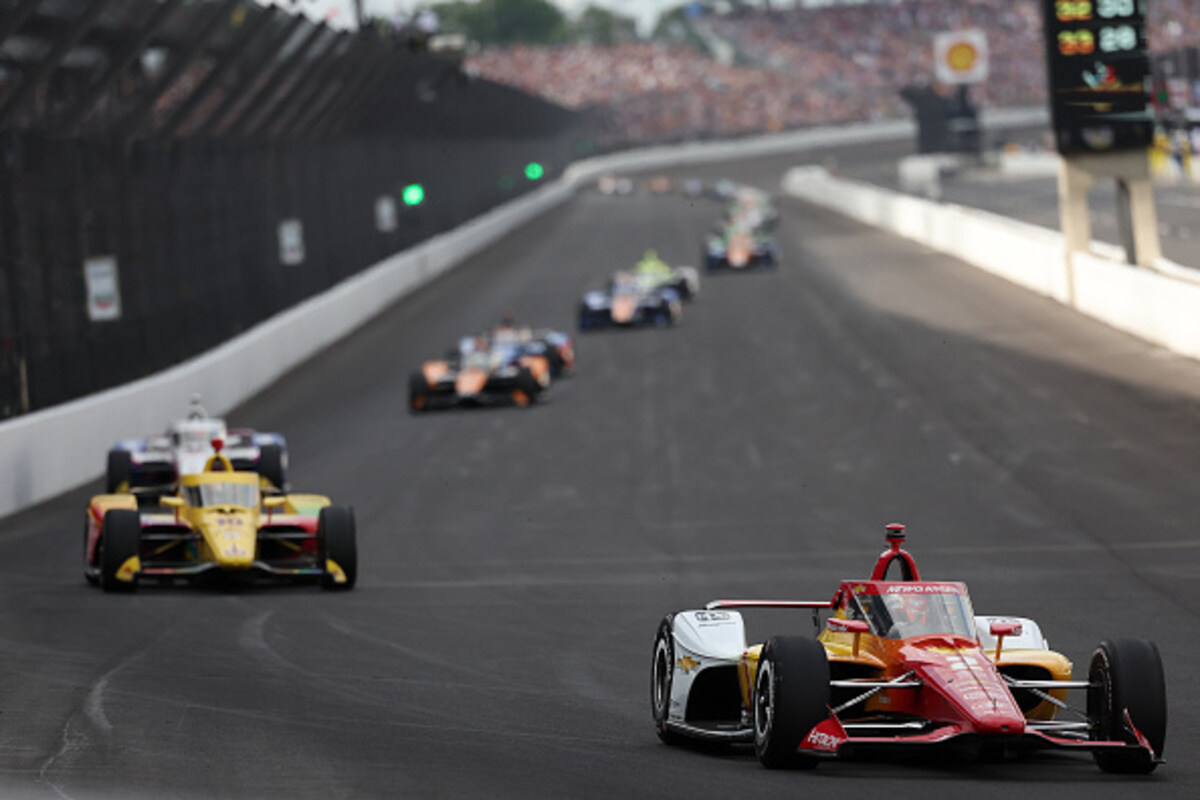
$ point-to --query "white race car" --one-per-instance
(155, 463)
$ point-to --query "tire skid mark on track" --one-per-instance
(253, 641)
(75, 736)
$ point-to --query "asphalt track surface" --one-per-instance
(515, 563)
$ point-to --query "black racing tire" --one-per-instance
(791, 695)
(558, 367)
(120, 540)
(1127, 674)
(337, 540)
(418, 393)
(119, 471)
(527, 390)
(662, 676)
(272, 465)
(88, 575)
(586, 321)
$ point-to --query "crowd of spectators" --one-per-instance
(651, 91)
(798, 66)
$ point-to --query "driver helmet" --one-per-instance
(917, 608)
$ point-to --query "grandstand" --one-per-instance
(815, 62)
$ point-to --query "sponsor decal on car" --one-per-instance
(923, 588)
(826, 737)
(687, 664)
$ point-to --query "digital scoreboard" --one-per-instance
(1099, 74)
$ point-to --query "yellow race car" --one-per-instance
(218, 523)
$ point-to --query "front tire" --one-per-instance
(662, 675)
(119, 471)
(272, 465)
(120, 540)
(791, 695)
(337, 542)
(1127, 674)
(418, 396)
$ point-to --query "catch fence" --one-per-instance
(172, 173)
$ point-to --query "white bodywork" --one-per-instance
(691, 277)
(1030, 637)
(703, 639)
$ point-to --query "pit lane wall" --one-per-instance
(1157, 305)
(49, 452)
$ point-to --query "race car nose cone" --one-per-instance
(999, 723)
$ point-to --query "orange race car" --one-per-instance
(481, 371)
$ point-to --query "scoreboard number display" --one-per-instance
(1099, 74)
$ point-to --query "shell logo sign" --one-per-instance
(960, 57)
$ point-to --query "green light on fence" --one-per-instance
(413, 194)
(534, 171)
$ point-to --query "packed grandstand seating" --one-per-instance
(798, 67)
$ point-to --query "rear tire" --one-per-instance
(662, 675)
(1127, 674)
(272, 465)
(791, 695)
(120, 540)
(418, 397)
(88, 574)
(337, 541)
(527, 390)
(119, 471)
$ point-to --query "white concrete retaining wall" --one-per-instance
(1157, 305)
(48, 452)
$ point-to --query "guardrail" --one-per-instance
(1156, 305)
(48, 452)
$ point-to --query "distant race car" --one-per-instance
(156, 463)
(901, 664)
(480, 372)
(614, 185)
(557, 347)
(630, 300)
(740, 248)
(752, 208)
(219, 522)
(684, 280)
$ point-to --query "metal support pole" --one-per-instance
(14, 103)
(101, 86)
(276, 74)
(353, 64)
(370, 77)
(318, 82)
(261, 66)
(301, 76)
(229, 60)
(135, 119)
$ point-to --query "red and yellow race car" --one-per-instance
(901, 662)
(218, 523)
